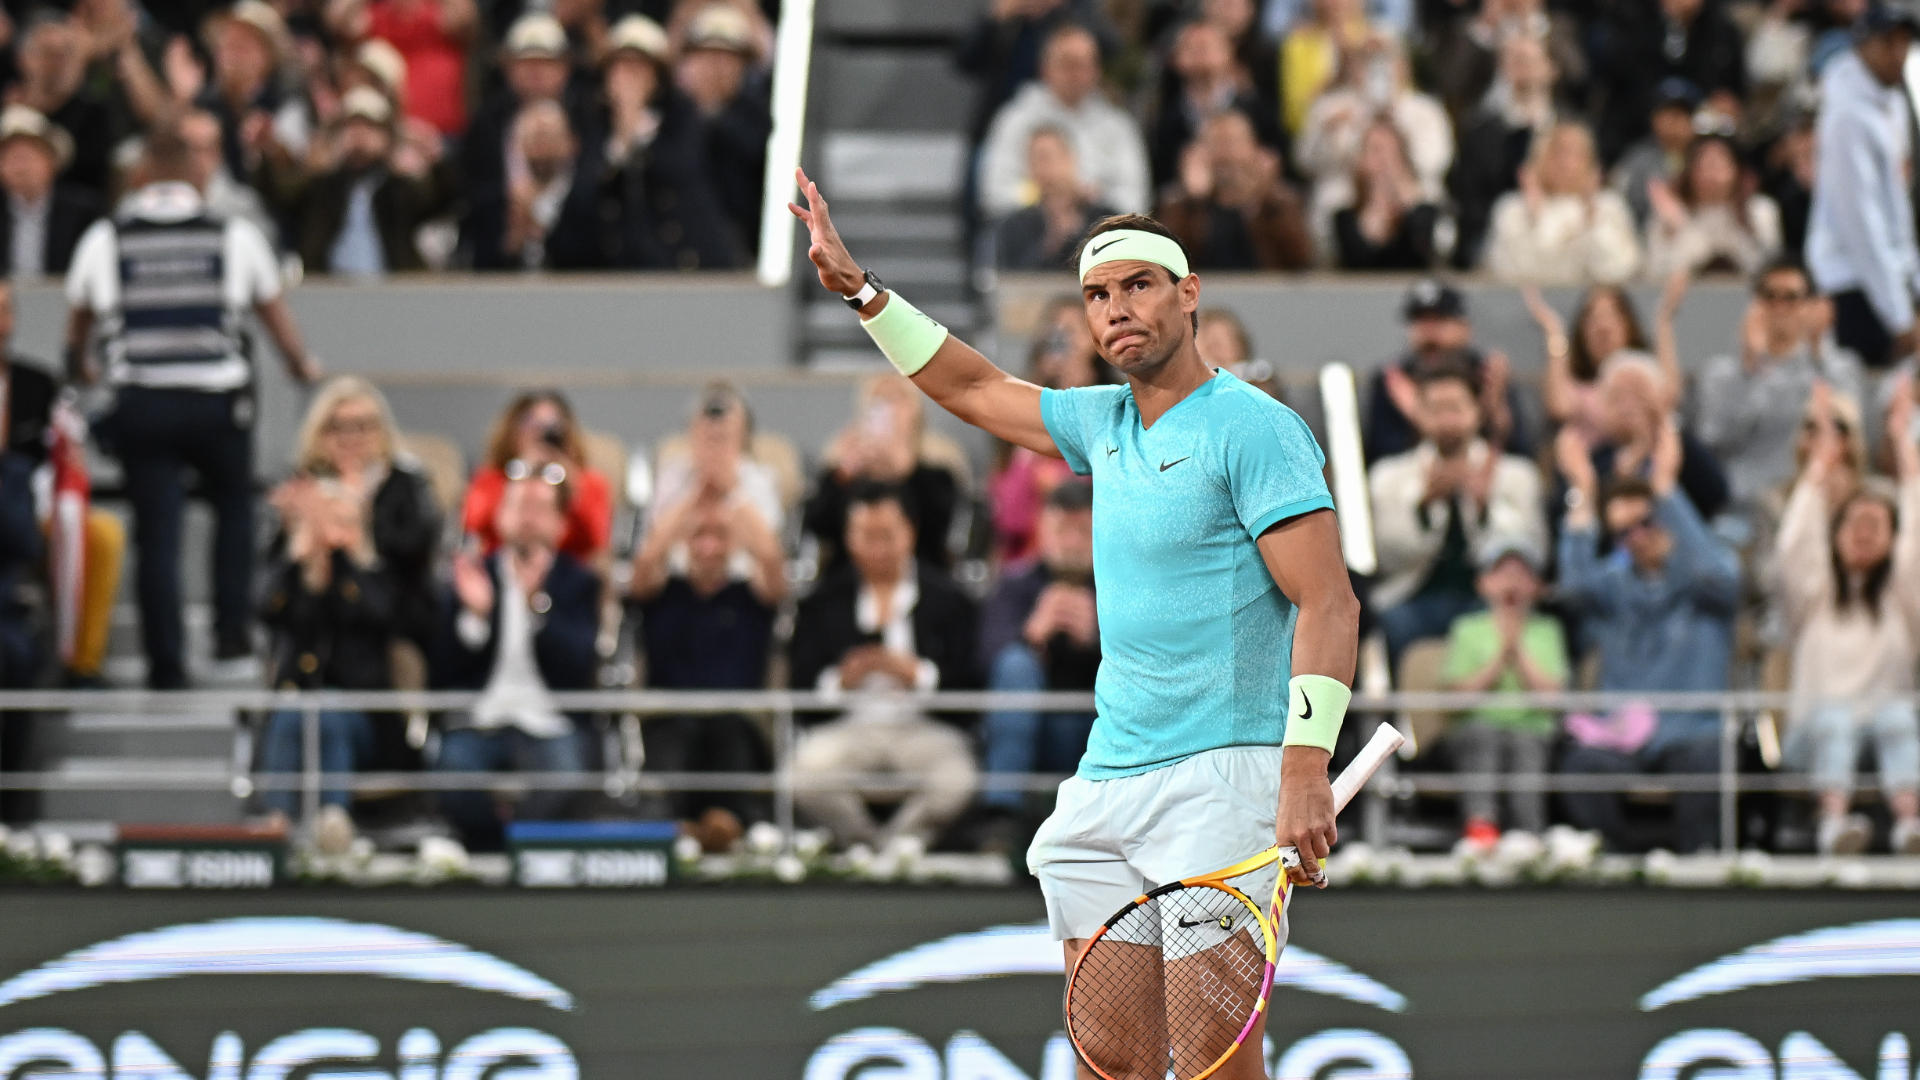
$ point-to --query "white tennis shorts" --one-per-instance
(1108, 841)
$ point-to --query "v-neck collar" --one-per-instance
(1203, 390)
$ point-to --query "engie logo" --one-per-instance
(1886, 947)
(288, 946)
(1031, 950)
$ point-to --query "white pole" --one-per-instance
(792, 59)
(1341, 405)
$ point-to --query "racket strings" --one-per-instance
(1170, 987)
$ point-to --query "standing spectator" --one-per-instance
(1044, 236)
(661, 184)
(432, 36)
(1310, 55)
(895, 623)
(884, 444)
(167, 310)
(1860, 239)
(350, 445)
(1106, 140)
(359, 217)
(1466, 51)
(707, 627)
(1847, 575)
(1507, 648)
(1711, 219)
(1002, 49)
(249, 44)
(547, 216)
(53, 59)
(1232, 209)
(716, 71)
(536, 62)
(44, 217)
(1751, 405)
(519, 625)
(1439, 334)
(1207, 80)
(1605, 325)
(1040, 630)
(1372, 88)
(1663, 618)
(1496, 140)
(1392, 224)
(1434, 503)
(536, 432)
(1562, 227)
(1642, 42)
(332, 611)
(1661, 154)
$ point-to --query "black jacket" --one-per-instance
(336, 639)
(667, 200)
(1003, 621)
(827, 626)
(72, 209)
(406, 534)
(563, 640)
(935, 496)
(576, 241)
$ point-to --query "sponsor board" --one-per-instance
(936, 984)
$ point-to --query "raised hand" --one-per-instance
(827, 251)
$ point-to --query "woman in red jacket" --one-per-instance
(536, 435)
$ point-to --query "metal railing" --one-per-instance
(623, 775)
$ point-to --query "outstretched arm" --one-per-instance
(961, 380)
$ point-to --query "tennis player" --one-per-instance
(1227, 622)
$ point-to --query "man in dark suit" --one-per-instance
(891, 624)
(43, 219)
(547, 218)
(517, 626)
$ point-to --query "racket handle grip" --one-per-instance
(1386, 739)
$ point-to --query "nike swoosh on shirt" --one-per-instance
(1165, 465)
(1112, 450)
(1104, 246)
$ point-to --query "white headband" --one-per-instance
(1124, 244)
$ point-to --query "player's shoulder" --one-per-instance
(1101, 403)
(1237, 405)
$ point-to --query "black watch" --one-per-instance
(872, 288)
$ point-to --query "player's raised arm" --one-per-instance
(948, 370)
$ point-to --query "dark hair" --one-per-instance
(1784, 264)
(1586, 366)
(501, 446)
(1143, 223)
(874, 492)
(1623, 487)
(1071, 495)
(166, 154)
(1683, 187)
(1874, 585)
(1450, 369)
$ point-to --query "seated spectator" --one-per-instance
(894, 623)
(1787, 178)
(1662, 616)
(1507, 648)
(53, 61)
(709, 627)
(1372, 90)
(1496, 139)
(1662, 155)
(1310, 55)
(538, 430)
(1466, 52)
(1439, 334)
(883, 444)
(349, 448)
(1254, 49)
(1206, 79)
(1852, 601)
(432, 37)
(1000, 49)
(1040, 630)
(333, 612)
(44, 219)
(1106, 140)
(224, 195)
(1434, 503)
(1605, 326)
(1063, 356)
(1232, 208)
(518, 625)
(359, 216)
(1562, 227)
(379, 67)
(660, 180)
(1633, 396)
(1392, 224)
(536, 65)
(1638, 47)
(1045, 235)
(717, 71)
(547, 216)
(1223, 342)
(1709, 220)
(1752, 405)
(717, 461)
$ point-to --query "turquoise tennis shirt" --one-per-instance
(1196, 641)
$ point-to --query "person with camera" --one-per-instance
(536, 435)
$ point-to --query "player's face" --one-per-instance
(1138, 314)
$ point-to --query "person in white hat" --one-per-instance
(248, 42)
(537, 65)
(718, 71)
(44, 218)
(359, 217)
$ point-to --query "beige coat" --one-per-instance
(1407, 545)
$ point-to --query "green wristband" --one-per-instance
(1315, 707)
(905, 334)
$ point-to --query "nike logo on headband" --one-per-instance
(1104, 246)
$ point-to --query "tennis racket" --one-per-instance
(1171, 986)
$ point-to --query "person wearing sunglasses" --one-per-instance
(1751, 404)
(1661, 608)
